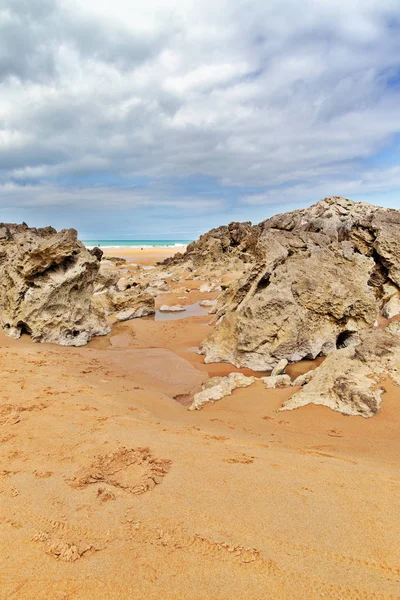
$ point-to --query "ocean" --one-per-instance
(136, 243)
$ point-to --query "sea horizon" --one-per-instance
(136, 243)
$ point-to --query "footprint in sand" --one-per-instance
(134, 470)
(335, 432)
(242, 460)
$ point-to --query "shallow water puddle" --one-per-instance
(192, 310)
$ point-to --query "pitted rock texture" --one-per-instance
(219, 387)
(318, 277)
(132, 303)
(349, 380)
(46, 286)
(233, 244)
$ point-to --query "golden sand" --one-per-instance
(145, 256)
(110, 489)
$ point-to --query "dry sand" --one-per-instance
(110, 489)
(145, 256)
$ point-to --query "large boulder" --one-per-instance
(317, 279)
(46, 286)
(308, 305)
(349, 380)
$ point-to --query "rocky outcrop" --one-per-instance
(350, 379)
(97, 252)
(132, 303)
(233, 244)
(46, 286)
(219, 387)
(317, 279)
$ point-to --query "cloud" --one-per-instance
(102, 198)
(260, 98)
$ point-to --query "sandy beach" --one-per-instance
(110, 488)
(142, 256)
(199, 300)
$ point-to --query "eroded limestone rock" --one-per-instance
(349, 379)
(231, 244)
(206, 303)
(132, 303)
(175, 308)
(107, 276)
(390, 301)
(317, 280)
(280, 367)
(274, 381)
(303, 379)
(46, 286)
(294, 312)
(219, 387)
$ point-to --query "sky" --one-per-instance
(128, 119)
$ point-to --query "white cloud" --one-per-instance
(253, 94)
(376, 181)
(102, 198)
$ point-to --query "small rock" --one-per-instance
(218, 387)
(280, 367)
(392, 307)
(97, 252)
(175, 308)
(275, 381)
(303, 379)
(208, 302)
(125, 283)
(134, 313)
(206, 287)
(132, 303)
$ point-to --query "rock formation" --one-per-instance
(131, 303)
(233, 243)
(107, 276)
(97, 252)
(312, 279)
(174, 308)
(274, 381)
(46, 286)
(350, 379)
(207, 303)
(219, 387)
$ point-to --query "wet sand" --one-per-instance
(110, 489)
